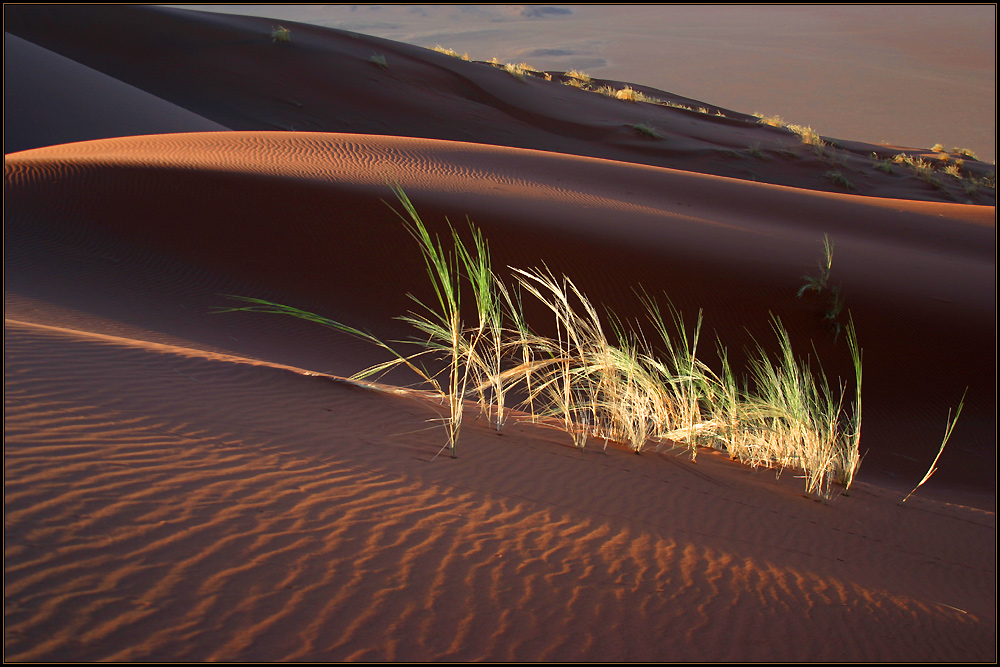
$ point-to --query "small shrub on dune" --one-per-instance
(379, 61)
(953, 170)
(837, 178)
(820, 284)
(281, 35)
(646, 130)
(880, 164)
(965, 152)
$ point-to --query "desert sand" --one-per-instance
(187, 484)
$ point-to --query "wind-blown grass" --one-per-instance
(451, 52)
(949, 427)
(602, 378)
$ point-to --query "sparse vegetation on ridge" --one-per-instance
(583, 81)
(518, 70)
(451, 52)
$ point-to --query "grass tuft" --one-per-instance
(451, 52)
(773, 121)
(602, 378)
(281, 35)
(819, 283)
(646, 130)
(582, 78)
(880, 164)
(839, 179)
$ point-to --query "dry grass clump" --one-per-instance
(577, 78)
(518, 70)
(966, 152)
(281, 35)
(809, 136)
(773, 121)
(604, 378)
(953, 170)
(451, 52)
(628, 94)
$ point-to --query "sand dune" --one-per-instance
(192, 485)
(325, 80)
(221, 528)
(49, 100)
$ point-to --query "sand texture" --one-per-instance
(183, 484)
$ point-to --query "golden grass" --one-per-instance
(606, 379)
(451, 52)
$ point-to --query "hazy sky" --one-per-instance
(911, 75)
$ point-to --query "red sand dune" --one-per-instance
(195, 486)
